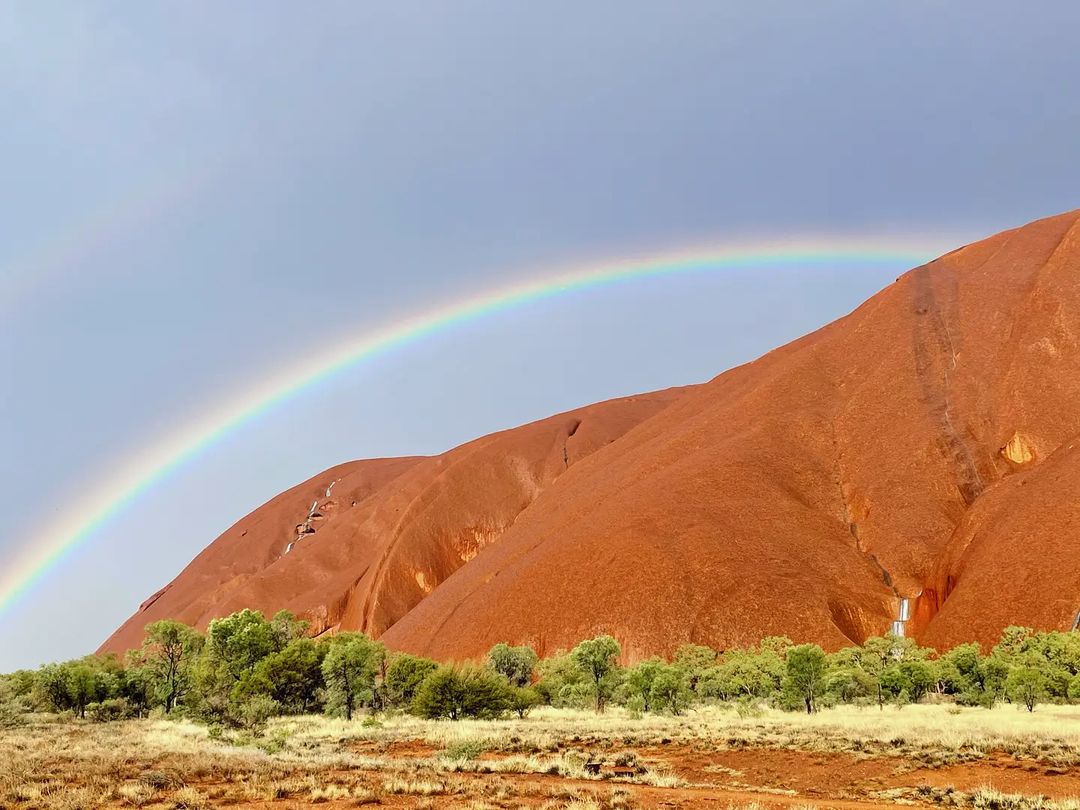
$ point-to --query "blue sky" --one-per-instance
(196, 195)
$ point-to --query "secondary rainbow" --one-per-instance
(137, 474)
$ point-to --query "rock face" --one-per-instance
(925, 447)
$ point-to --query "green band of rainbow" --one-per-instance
(150, 466)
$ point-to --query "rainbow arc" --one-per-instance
(136, 475)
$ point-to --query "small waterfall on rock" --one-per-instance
(903, 614)
(305, 528)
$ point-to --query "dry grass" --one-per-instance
(536, 762)
(939, 732)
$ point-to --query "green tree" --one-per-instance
(1012, 642)
(293, 675)
(349, 669)
(878, 658)
(51, 688)
(562, 683)
(237, 643)
(919, 676)
(694, 660)
(1026, 684)
(846, 683)
(597, 659)
(138, 689)
(167, 655)
(639, 680)
(746, 673)
(285, 628)
(457, 691)
(671, 689)
(404, 676)
(82, 686)
(516, 664)
(13, 706)
(1074, 689)
(521, 699)
(805, 673)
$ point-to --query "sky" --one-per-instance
(197, 195)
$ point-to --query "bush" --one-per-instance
(349, 670)
(256, 710)
(110, 710)
(560, 679)
(521, 700)
(671, 690)
(404, 676)
(516, 664)
(1026, 685)
(803, 681)
(462, 691)
(467, 749)
(597, 660)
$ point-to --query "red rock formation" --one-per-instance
(389, 531)
(920, 447)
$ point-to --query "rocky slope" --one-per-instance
(921, 448)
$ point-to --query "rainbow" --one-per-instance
(150, 466)
(45, 269)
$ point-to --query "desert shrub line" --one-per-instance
(246, 669)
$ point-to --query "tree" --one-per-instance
(293, 675)
(13, 705)
(285, 628)
(138, 689)
(920, 678)
(349, 670)
(671, 690)
(745, 673)
(562, 683)
(878, 656)
(521, 699)
(805, 671)
(457, 691)
(596, 658)
(639, 680)
(237, 643)
(516, 664)
(404, 676)
(167, 655)
(1012, 642)
(82, 686)
(847, 683)
(1026, 684)
(51, 687)
(694, 660)
(1074, 689)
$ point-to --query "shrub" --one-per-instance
(467, 690)
(349, 670)
(256, 710)
(404, 676)
(467, 749)
(670, 689)
(1026, 684)
(639, 681)
(521, 699)
(596, 658)
(110, 710)
(516, 664)
(804, 676)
